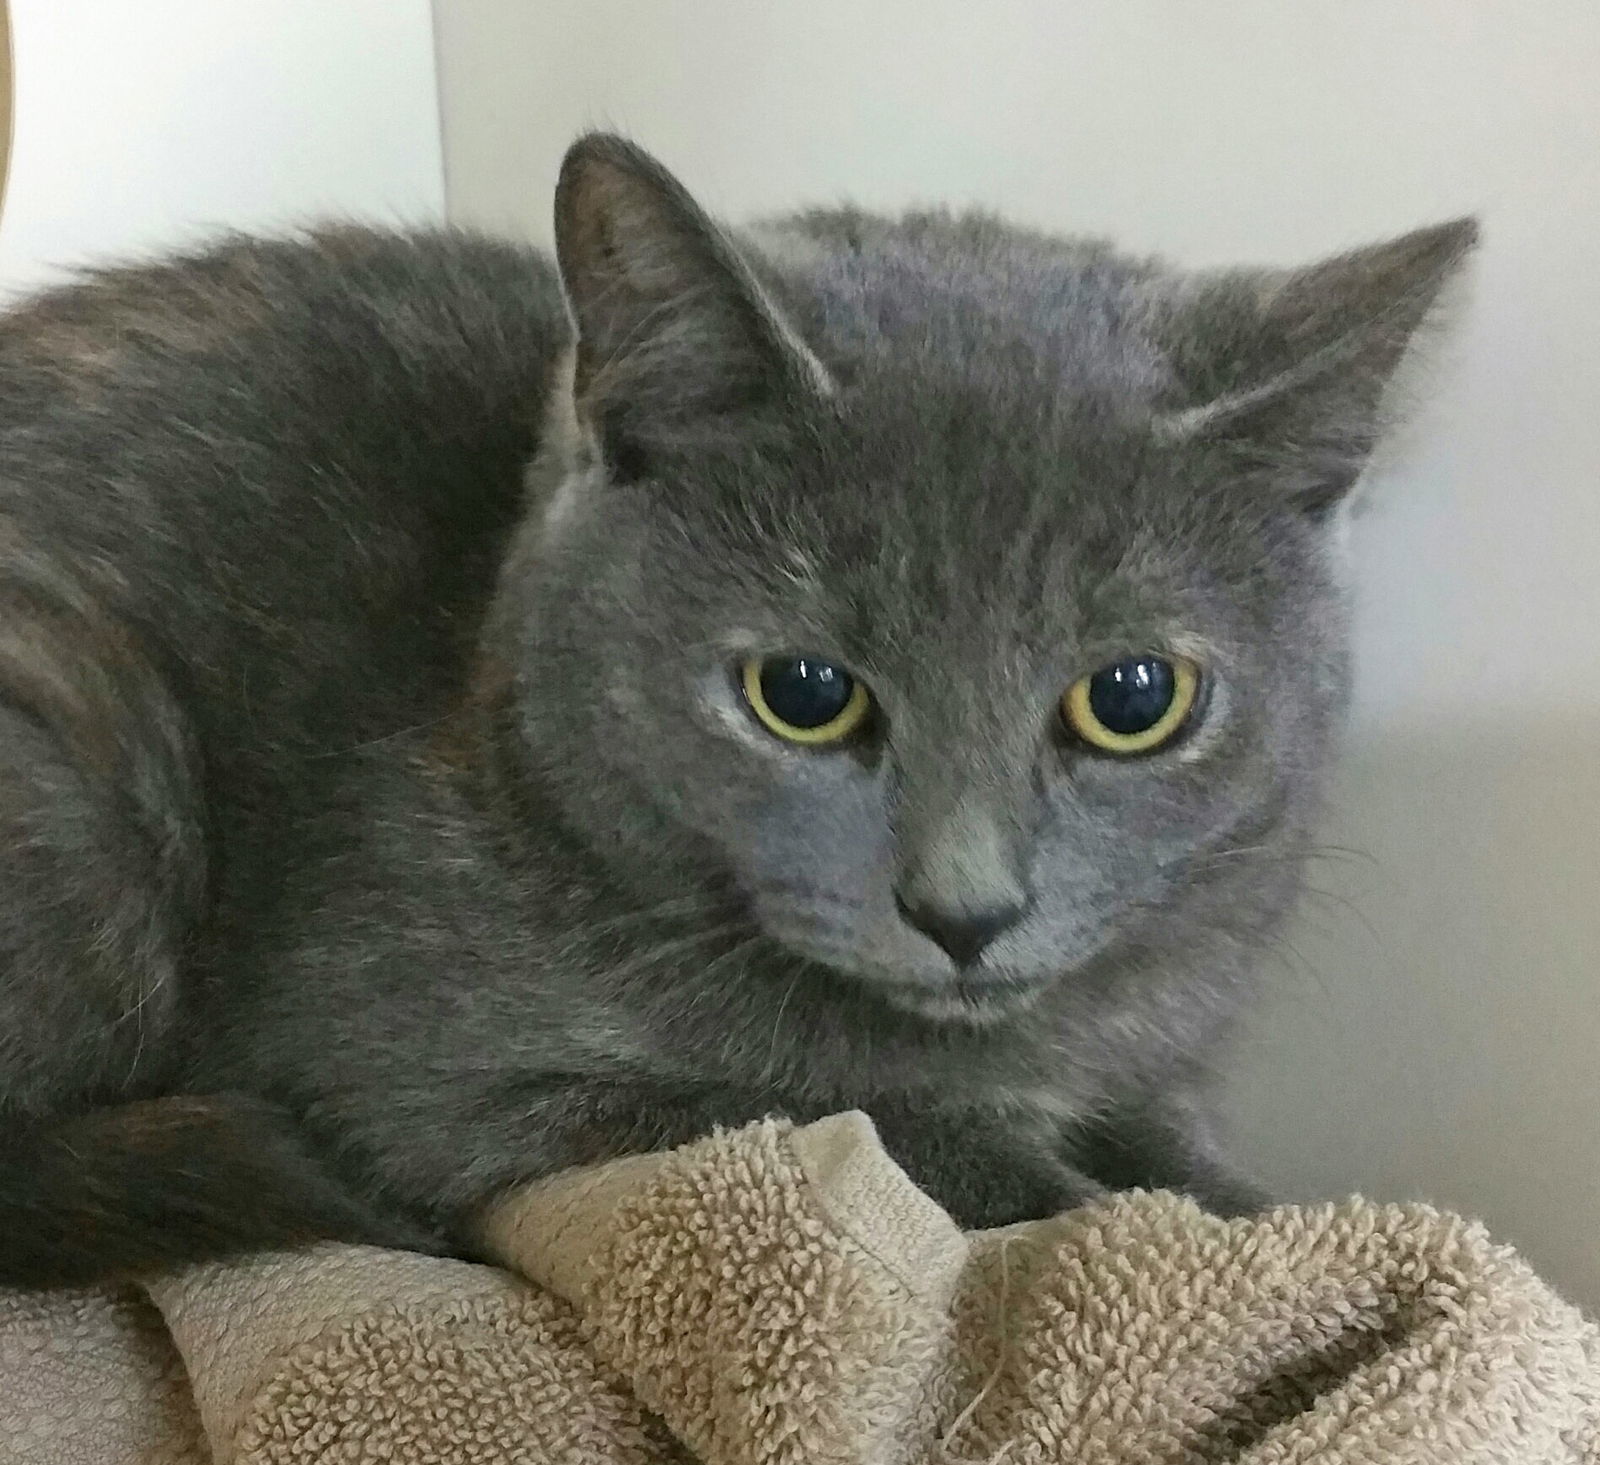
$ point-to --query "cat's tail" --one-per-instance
(141, 1188)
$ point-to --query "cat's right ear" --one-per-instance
(674, 333)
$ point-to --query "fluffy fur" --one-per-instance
(385, 828)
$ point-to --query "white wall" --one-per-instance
(1442, 1035)
(138, 125)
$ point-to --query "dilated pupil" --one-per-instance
(805, 693)
(1132, 696)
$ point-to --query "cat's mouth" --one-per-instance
(976, 999)
(929, 990)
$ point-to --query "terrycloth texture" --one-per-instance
(789, 1296)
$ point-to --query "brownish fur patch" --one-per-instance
(76, 668)
(84, 336)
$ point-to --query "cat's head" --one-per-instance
(966, 600)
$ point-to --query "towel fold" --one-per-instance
(781, 1294)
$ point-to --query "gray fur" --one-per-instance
(477, 874)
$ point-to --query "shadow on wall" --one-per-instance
(1405, 1055)
(5, 103)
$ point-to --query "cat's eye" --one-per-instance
(802, 699)
(1132, 706)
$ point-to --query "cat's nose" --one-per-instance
(962, 933)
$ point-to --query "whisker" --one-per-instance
(1344, 851)
(649, 956)
(777, 1021)
(345, 750)
(1343, 903)
(705, 991)
(681, 905)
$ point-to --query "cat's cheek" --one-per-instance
(851, 943)
(1053, 950)
(719, 712)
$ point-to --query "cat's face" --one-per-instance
(811, 629)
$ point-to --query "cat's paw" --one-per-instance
(1228, 1195)
(983, 1171)
(999, 1185)
(1024, 1191)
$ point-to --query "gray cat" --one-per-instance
(900, 681)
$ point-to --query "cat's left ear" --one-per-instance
(1289, 370)
(675, 333)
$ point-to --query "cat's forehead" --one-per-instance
(986, 381)
(945, 300)
(988, 469)
(890, 544)
(928, 481)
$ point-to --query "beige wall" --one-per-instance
(1440, 1032)
(141, 124)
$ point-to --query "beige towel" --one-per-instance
(787, 1295)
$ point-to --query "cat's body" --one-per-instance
(341, 774)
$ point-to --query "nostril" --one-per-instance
(963, 934)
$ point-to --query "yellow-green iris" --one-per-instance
(803, 699)
(1132, 706)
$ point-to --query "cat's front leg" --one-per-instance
(983, 1170)
(1168, 1143)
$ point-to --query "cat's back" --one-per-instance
(440, 301)
(252, 452)
(252, 499)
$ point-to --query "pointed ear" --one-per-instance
(1289, 369)
(674, 331)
